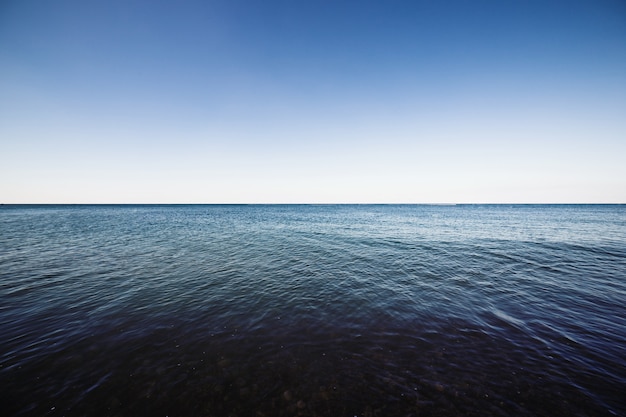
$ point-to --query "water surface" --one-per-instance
(313, 310)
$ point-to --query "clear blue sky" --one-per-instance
(312, 101)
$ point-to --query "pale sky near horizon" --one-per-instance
(312, 101)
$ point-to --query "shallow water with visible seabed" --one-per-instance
(329, 310)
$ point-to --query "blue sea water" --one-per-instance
(330, 310)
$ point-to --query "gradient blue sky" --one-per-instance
(312, 101)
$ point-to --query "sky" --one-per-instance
(423, 101)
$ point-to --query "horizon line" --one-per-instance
(310, 204)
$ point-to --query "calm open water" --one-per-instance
(313, 310)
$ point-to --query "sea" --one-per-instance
(313, 310)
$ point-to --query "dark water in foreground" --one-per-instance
(313, 310)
